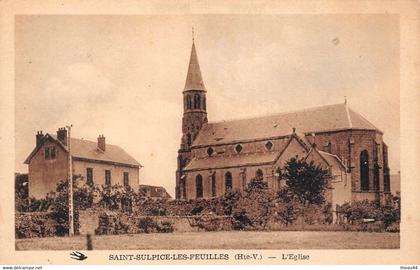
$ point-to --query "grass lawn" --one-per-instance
(221, 240)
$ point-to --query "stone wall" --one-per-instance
(88, 220)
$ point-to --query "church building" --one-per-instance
(215, 157)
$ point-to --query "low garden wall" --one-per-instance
(115, 222)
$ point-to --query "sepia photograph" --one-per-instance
(209, 133)
(239, 132)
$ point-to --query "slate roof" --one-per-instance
(84, 149)
(331, 159)
(222, 161)
(194, 79)
(319, 119)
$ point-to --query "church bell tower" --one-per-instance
(194, 117)
(194, 96)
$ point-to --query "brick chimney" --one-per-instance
(62, 135)
(39, 137)
(101, 142)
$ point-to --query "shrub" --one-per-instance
(240, 221)
(117, 197)
(394, 227)
(211, 222)
(147, 225)
(34, 225)
(390, 215)
(165, 227)
(116, 223)
(384, 216)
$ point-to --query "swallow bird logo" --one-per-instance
(78, 256)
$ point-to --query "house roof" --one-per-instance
(84, 149)
(194, 79)
(238, 160)
(319, 119)
(156, 191)
(332, 160)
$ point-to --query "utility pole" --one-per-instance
(70, 187)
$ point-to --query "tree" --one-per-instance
(83, 198)
(306, 181)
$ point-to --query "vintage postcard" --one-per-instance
(155, 132)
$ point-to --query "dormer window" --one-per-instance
(269, 145)
(238, 148)
(210, 151)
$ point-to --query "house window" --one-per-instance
(107, 177)
(50, 152)
(238, 148)
(89, 176)
(213, 185)
(210, 151)
(269, 145)
(126, 180)
(364, 170)
(47, 152)
(228, 182)
(199, 186)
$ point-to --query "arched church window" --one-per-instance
(376, 177)
(269, 145)
(213, 185)
(204, 103)
(199, 186)
(210, 151)
(228, 182)
(238, 148)
(189, 102)
(259, 175)
(364, 170)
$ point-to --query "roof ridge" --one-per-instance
(348, 115)
(275, 114)
(85, 140)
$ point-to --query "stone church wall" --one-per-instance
(348, 145)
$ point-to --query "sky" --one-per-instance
(123, 76)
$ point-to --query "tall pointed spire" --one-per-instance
(194, 80)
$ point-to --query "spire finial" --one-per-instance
(345, 100)
(193, 33)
